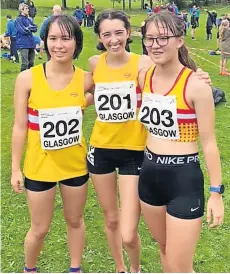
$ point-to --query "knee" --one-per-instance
(74, 222)
(129, 238)
(178, 266)
(111, 221)
(39, 232)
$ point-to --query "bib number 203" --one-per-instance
(61, 128)
(114, 102)
(156, 117)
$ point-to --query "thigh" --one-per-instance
(106, 189)
(129, 200)
(74, 199)
(155, 218)
(41, 206)
(182, 237)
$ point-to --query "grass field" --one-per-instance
(213, 252)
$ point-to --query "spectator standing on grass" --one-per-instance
(209, 24)
(93, 15)
(11, 33)
(197, 15)
(88, 11)
(32, 9)
(78, 14)
(193, 21)
(24, 37)
(56, 11)
(224, 46)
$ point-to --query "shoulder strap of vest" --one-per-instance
(147, 80)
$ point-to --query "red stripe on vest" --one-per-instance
(139, 102)
(187, 121)
(32, 111)
(33, 126)
(185, 111)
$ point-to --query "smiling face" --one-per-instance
(61, 45)
(168, 43)
(113, 35)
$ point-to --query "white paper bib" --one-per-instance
(116, 102)
(159, 115)
(60, 127)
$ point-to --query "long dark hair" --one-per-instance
(111, 14)
(172, 23)
(70, 24)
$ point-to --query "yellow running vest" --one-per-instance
(115, 82)
(186, 116)
(54, 164)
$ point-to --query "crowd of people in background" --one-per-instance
(19, 36)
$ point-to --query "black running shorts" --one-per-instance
(174, 181)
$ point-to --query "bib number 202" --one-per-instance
(61, 128)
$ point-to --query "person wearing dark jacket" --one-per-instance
(24, 37)
(209, 24)
(11, 32)
(32, 9)
(78, 14)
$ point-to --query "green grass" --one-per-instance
(213, 252)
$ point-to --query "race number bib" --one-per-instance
(116, 102)
(159, 115)
(60, 127)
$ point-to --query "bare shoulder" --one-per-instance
(197, 88)
(24, 79)
(144, 62)
(93, 62)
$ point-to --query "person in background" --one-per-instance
(93, 15)
(11, 33)
(56, 11)
(148, 9)
(32, 9)
(214, 17)
(78, 14)
(5, 42)
(209, 24)
(156, 9)
(24, 37)
(224, 46)
(197, 15)
(88, 11)
(38, 46)
(193, 21)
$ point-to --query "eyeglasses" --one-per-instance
(161, 41)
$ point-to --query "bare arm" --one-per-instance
(21, 94)
(89, 88)
(202, 99)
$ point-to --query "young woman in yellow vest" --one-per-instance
(118, 138)
(49, 102)
(177, 108)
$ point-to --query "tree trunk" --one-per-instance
(130, 4)
(142, 4)
(123, 4)
(64, 4)
(9, 4)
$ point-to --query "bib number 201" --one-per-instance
(115, 101)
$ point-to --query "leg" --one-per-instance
(41, 205)
(106, 189)
(182, 237)
(130, 214)
(14, 49)
(74, 199)
(31, 58)
(41, 49)
(25, 59)
(155, 218)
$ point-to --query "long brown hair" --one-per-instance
(172, 23)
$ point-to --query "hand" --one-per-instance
(17, 181)
(202, 75)
(215, 210)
